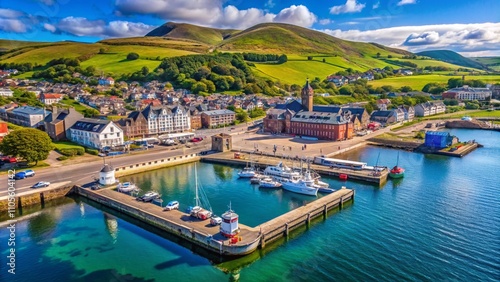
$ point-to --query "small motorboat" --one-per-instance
(256, 179)
(126, 187)
(268, 182)
(247, 172)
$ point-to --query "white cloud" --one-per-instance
(49, 27)
(350, 6)
(12, 25)
(298, 15)
(325, 21)
(376, 5)
(98, 28)
(463, 38)
(10, 14)
(426, 38)
(406, 2)
(213, 13)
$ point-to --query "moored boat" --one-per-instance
(247, 172)
(256, 179)
(268, 182)
(304, 185)
(282, 172)
(397, 171)
(126, 187)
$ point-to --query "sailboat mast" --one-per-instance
(196, 185)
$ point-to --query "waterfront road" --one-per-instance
(86, 172)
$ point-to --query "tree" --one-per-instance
(309, 58)
(132, 56)
(30, 144)
(282, 59)
(378, 55)
(88, 112)
(242, 116)
(405, 89)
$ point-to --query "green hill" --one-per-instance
(491, 62)
(453, 58)
(291, 39)
(185, 31)
(310, 53)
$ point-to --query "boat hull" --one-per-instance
(300, 189)
(396, 175)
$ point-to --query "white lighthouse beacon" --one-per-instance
(107, 175)
(229, 226)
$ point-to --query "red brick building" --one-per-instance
(323, 122)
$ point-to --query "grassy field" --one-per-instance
(75, 104)
(60, 50)
(115, 59)
(417, 82)
(491, 62)
(66, 145)
(480, 114)
(298, 68)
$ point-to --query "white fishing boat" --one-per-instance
(247, 172)
(256, 179)
(268, 182)
(281, 172)
(126, 187)
(304, 185)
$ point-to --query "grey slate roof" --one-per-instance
(90, 125)
(319, 117)
(218, 112)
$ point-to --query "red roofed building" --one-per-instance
(50, 98)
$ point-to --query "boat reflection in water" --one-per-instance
(111, 226)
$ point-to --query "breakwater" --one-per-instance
(203, 234)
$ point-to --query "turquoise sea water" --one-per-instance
(439, 223)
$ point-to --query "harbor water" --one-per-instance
(439, 223)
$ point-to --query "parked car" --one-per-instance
(41, 184)
(172, 205)
(215, 220)
(8, 159)
(24, 174)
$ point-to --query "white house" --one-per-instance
(50, 98)
(429, 108)
(96, 133)
(468, 93)
(6, 92)
(162, 119)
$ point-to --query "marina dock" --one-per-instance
(262, 161)
(201, 233)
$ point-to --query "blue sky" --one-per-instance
(469, 27)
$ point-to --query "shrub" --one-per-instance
(92, 151)
(72, 152)
(132, 56)
(420, 135)
(62, 158)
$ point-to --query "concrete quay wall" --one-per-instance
(281, 226)
(155, 164)
(36, 196)
(202, 239)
